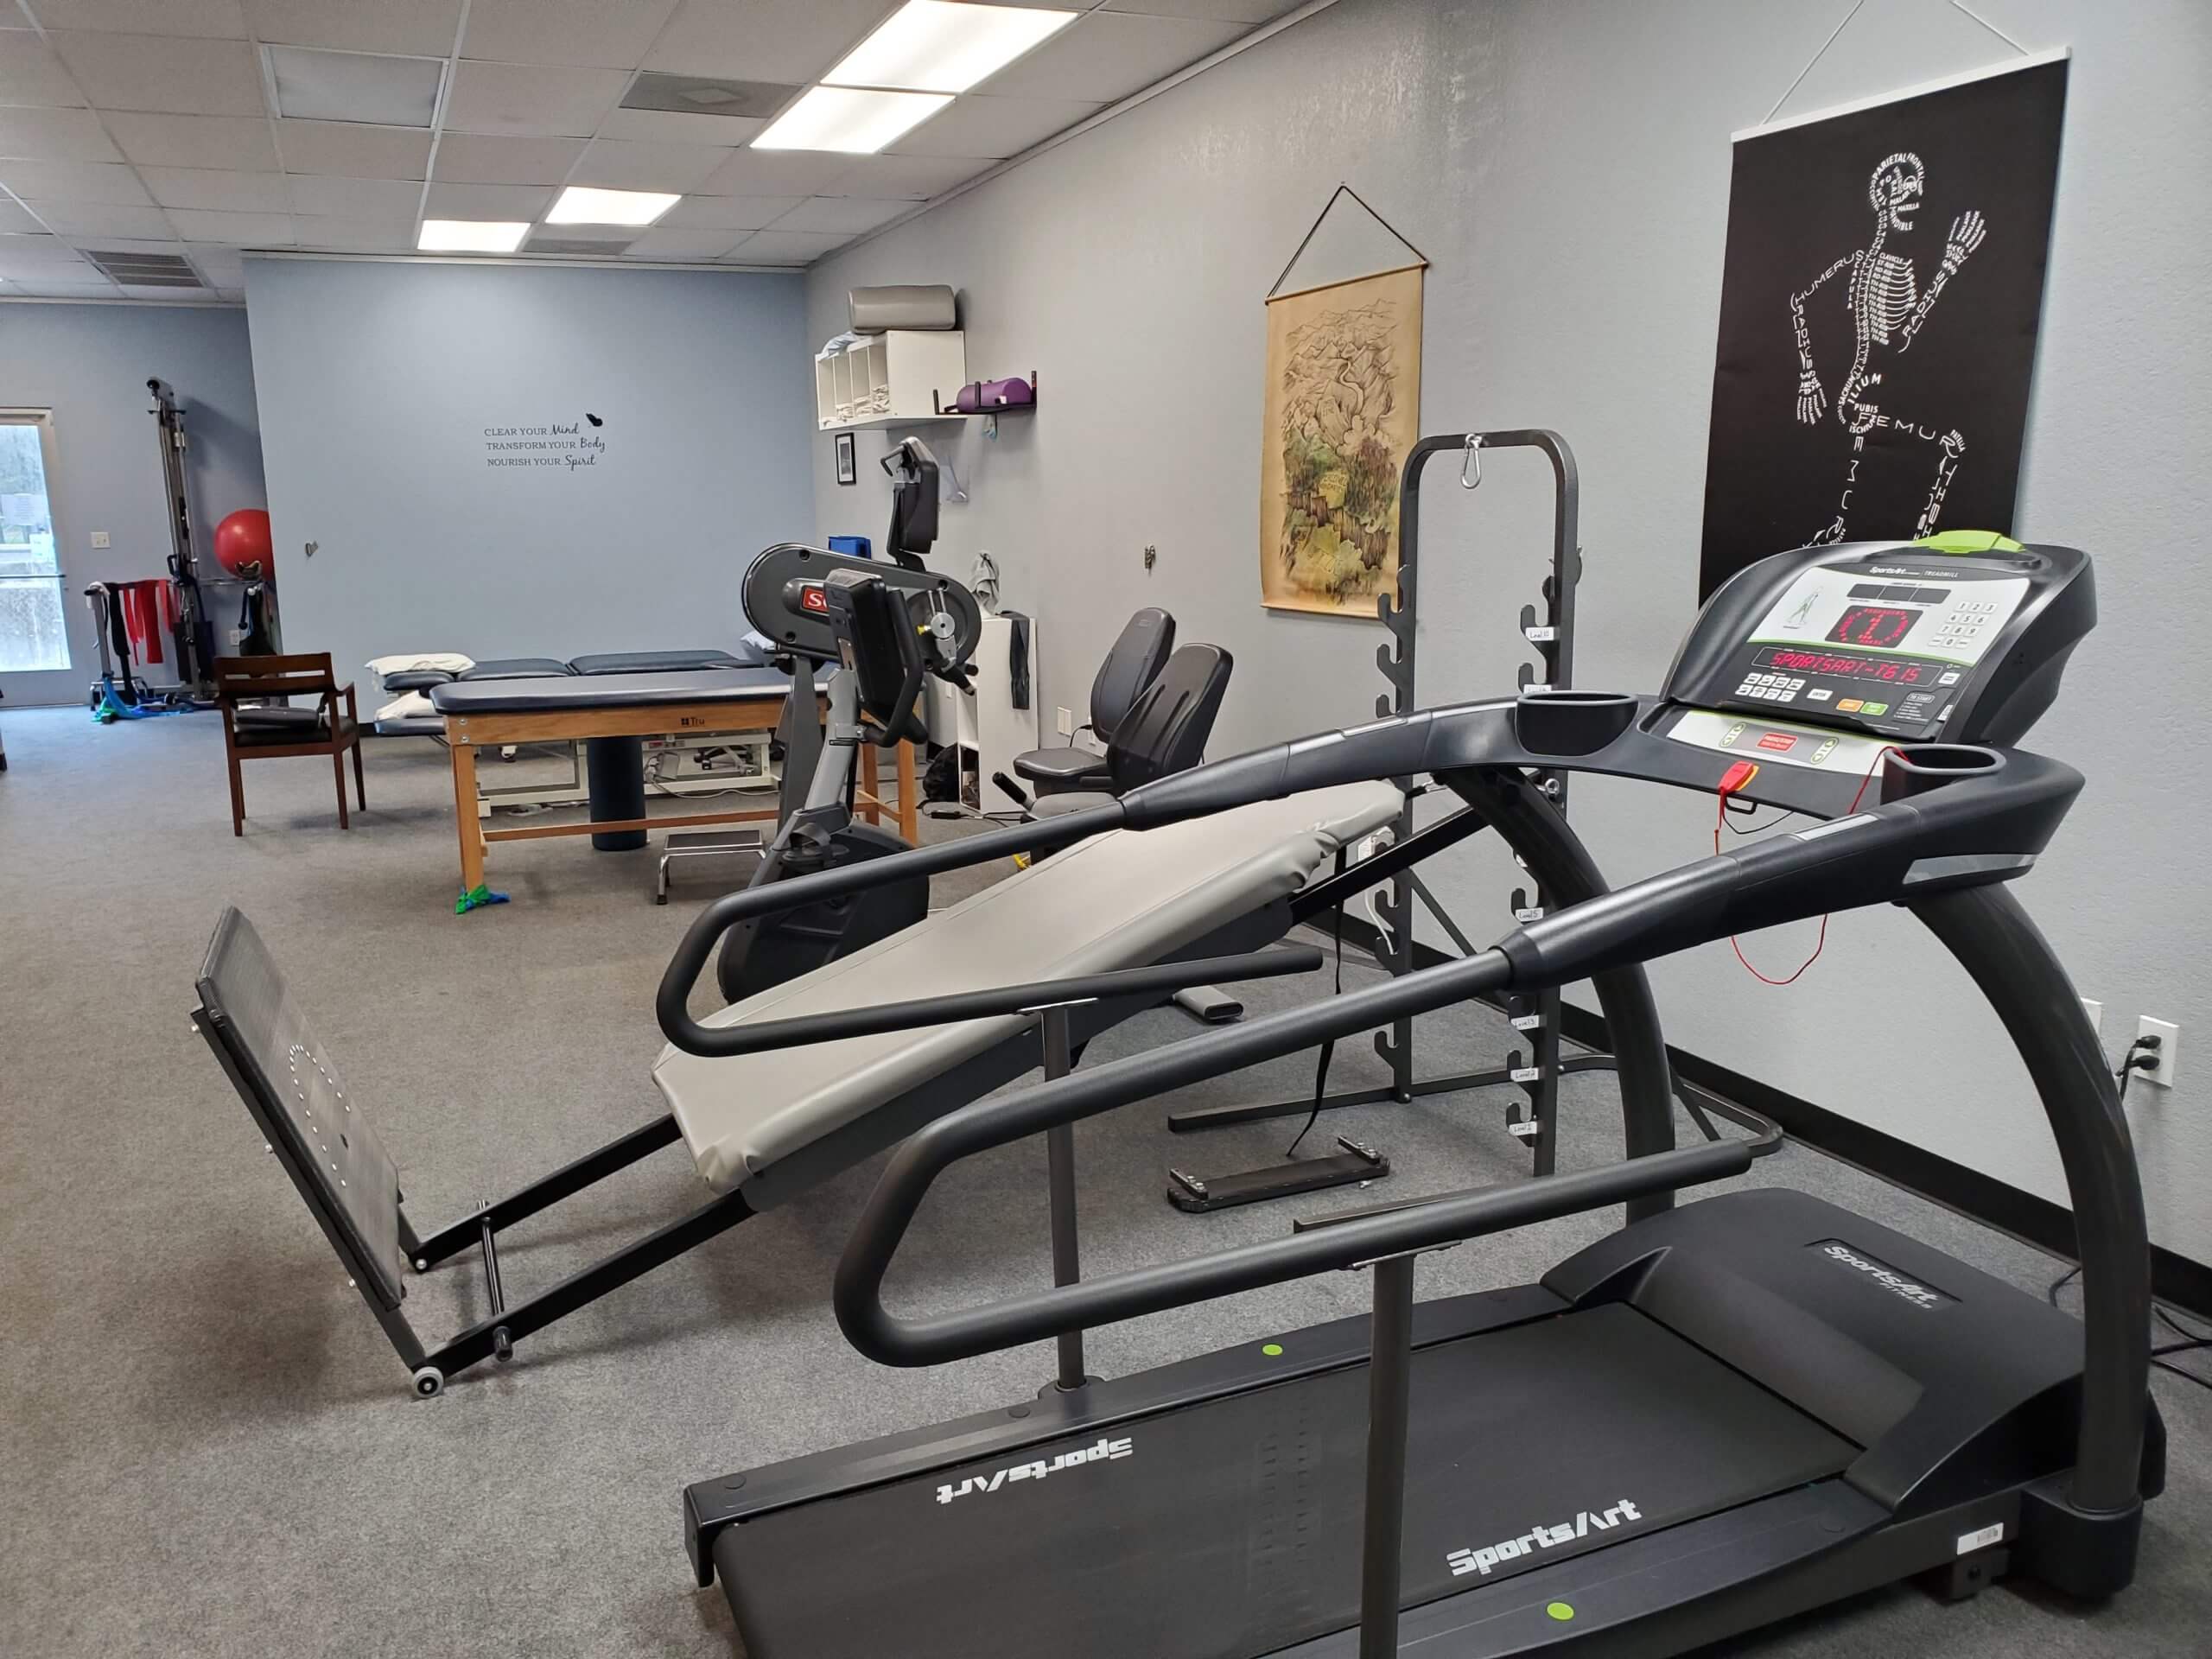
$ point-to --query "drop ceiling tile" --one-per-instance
(531, 99)
(410, 27)
(659, 243)
(1107, 55)
(849, 215)
(247, 230)
(785, 247)
(726, 213)
(31, 74)
(508, 201)
(775, 173)
(75, 181)
(166, 242)
(678, 127)
(979, 124)
(227, 192)
(32, 289)
(474, 158)
(593, 34)
(623, 165)
(212, 19)
(81, 218)
(218, 264)
(16, 219)
(54, 135)
(353, 152)
(41, 256)
(163, 74)
(915, 178)
(376, 199)
(230, 142)
(1234, 11)
(344, 235)
(762, 40)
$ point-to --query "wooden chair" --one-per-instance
(281, 733)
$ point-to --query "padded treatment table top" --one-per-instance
(515, 668)
(1123, 900)
(550, 691)
(662, 662)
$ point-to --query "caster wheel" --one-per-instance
(430, 1381)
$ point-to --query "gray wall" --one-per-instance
(380, 381)
(1564, 164)
(90, 363)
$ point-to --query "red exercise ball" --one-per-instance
(242, 545)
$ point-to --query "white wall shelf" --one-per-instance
(889, 379)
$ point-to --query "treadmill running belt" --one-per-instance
(1231, 1528)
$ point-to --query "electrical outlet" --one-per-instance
(1064, 720)
(99, 538)
(2095, 1010)
(2169, 1052)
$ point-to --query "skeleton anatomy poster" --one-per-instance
(1877, 317)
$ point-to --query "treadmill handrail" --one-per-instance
(1156, 979)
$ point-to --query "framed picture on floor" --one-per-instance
(848, 468)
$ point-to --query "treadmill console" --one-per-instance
(1961, 638)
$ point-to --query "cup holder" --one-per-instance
(1571, 722)
(1915, 768)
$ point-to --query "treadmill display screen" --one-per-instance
(1873, 624)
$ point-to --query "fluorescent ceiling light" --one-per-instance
(936, 46)
(858, 124)
(582, 205)
(471, 236)
(361, 87)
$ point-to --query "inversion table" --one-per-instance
(1078, 942)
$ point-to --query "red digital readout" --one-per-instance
(1855, 668)
(1873, 625)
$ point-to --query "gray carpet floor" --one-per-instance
(207, 1446)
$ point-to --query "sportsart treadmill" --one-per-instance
(1726, 1413)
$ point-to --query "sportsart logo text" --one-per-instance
(1888, 1278)
(1105, 1452)
(1491, 1556)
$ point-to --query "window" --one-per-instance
(32, 637)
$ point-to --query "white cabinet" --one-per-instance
(889, 379)
(982, 721)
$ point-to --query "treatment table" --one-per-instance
(555, 707)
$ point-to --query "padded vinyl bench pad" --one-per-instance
(1121, 899)
(611, 690)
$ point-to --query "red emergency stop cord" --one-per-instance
(1734, 780)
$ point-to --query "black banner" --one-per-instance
(1878, 312)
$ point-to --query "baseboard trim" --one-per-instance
(2176, 1280)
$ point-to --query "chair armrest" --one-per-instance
(352, 708)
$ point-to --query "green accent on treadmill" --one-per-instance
(1272, 1350)
(1560, 1610)
(1969, 540)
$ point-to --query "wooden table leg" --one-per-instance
(871, 783)
(464, 812)
(908, 796)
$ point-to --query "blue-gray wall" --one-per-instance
(1565, 165)
(89, 364)
(381, 383)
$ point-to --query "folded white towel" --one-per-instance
(409, 705)
(452, 661)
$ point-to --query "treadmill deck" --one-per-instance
(1531, 1444)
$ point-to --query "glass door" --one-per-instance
(36, 662)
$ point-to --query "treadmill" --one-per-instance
(1728, 1412)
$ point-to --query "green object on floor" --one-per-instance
(476, 899)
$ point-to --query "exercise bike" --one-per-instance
(897, 620)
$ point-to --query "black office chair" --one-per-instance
(1133, 664)
(1165, 731)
